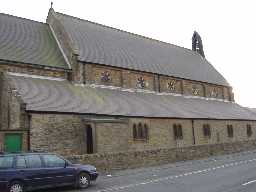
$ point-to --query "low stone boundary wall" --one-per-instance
(133, 159)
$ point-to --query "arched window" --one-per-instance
(207, 130)
(177, 131)
(230, 131)
(249, 130)
(140, 131)
(135, 133)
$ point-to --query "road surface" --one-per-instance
(228, 173)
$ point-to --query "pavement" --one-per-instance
(226, 173)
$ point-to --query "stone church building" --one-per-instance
(72, 86)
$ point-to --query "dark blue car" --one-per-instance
(28, 171)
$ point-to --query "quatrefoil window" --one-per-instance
(171, 85)
(141, 83)
(195, 90)
(105, 76)
(214, 93)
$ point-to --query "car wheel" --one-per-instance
(16, 186)
(83, 180)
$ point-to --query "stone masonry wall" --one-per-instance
(133, 80)
(112, 137)
(63, 134)
(170, 85)
(214, 91)
(133, 159)
(192, 88)
(25, 69)
(11, 108)
(13, 118)
(160, 134)
(115, 76)
(118, 137)
(129, 79)
(219, 132)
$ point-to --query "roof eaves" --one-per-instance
(4, 61)
(130, 116)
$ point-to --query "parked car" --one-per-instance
(21, 172)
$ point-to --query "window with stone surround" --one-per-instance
(141, 83)
(140, 131)
(230, 131)
(207, 130)
(249, 130)
(195, 90)
(177, 131)
(105, 76)
(171, 85)
(214, 93)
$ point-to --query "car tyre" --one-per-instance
(83, 180)
(16, 186)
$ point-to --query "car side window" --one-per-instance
(33, 161)
(53, 161)
(21, 162)
(6, 162)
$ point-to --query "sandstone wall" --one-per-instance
(13, 118)
(111, 137)
(106, 162)
(92, 73)
(63, 134)
(33, 70)
(118, 136)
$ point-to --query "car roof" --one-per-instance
(23, 153)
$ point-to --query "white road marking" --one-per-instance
(178, 176)
(249, 182)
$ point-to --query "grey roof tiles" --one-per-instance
(27, 41)
(105, 45)
(62, 96)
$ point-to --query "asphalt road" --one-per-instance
(229, 173)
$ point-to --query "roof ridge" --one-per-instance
(8, 15)
(123, 31)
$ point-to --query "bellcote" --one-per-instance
(197, 44)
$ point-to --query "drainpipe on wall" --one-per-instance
(193, 132)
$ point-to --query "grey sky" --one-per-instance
(227, 28)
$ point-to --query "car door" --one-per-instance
(30, 166)
(58, 171)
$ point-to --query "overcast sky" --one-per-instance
(227, 28)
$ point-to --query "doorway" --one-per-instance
(13, 142)
(89, 139)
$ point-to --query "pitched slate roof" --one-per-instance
(105, 45)
(62, 96)
(252, 110)
(26, 41)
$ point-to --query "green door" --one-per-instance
(12, 142)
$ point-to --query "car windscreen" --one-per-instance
(6, 162)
